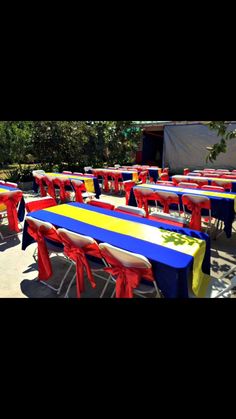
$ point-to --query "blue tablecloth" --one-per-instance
(97, 188)
(154, 174)
(171, 268)
(221, 209)
(210, 182)
(21, 208)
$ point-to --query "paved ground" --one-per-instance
(18, 270)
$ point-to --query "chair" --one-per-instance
(49, 242)
(212, 188)
(42, 183)
(40, 203)
(143, 196)
(177, 179)
(169, 219)
(38, 172)
(11, 184)
(127, 270)
(128, 185)
(66, 172)
(79, 189)
(188, 185)
(222, 170)
(101, 204)
(143, 176)
(166, 199)
(194, 174)
(50, 185)
(195, 204)
(116, 180)
(186, 171)
(226, 185)
(62, 183)
(164, 176)
(78, 174)
(231, 285)
(10, 201)
(76, 248)
(88, 168)
(167, 183)
(166, 170)
(139, 212)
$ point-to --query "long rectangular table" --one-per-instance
(223, 205)
(175, 252)
(155, 173)
(126, 174)
(206, 179)
(91, 183)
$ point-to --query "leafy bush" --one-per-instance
(19, 175)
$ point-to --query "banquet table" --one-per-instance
(207, 179)
(21, 208)
(176, 253)
(91, 184)
(223, 205)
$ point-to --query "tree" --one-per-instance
(15, 141)
(226, 134)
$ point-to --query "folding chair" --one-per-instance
(128, 185)
(40, 203)
(139, 212)
(101, 204)
(188, 185)
(127, 270)
(226, 185)
(195, 204)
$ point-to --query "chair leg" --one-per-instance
(64, 278)
(69, 287)
(227, 289)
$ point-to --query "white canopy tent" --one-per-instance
(185, 146)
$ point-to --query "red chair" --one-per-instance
(116, 180)
(62, 183)
(169, 219)
(233, 176)
(41, 181)
(66, 172)
(143, 196)
(166, 170)
(101, 204)
(50, 185)
(167, 183)
(177, 179)
(79, 189)
(164, 176)
(166, 199)
(195, 204)
(78, 174)
(212, 188)
(128, 185)
(127, 270)
(11, 200)
(188, 185)
(40, 203)
(143, 176)
(226, 185)
(76, 248)
(186, 171)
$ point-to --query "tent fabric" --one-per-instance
(185, 146)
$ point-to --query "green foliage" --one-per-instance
(223, 131)
(19, 174)
(68, 145)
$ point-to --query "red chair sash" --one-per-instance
(51, 189)
(39, 182)
(166, 202)
(78, 255)
(39, 235)
(11, 201)
(127, 279)
(195, 208)
(128, 187)
(40, 204)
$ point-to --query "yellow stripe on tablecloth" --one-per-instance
(204, 178)
(89, 184)
(175, 241)
(135, 176)
(2, 206)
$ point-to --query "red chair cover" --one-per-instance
(78, 255)
(166, 202)
(143, 176)
(195, 208)
(186, 171)
(128, 186)
(40, 204)
(115, 178)
(142, 200)
(50, 185)
(127, 279)
(11, 200)
(40, 182)
(39, 234)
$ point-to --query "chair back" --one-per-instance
(223, 184)
(212, 188)
(66, 172)
(101, 204)
(130, 210)
(127, 259)
(40, 203)
(188, 185)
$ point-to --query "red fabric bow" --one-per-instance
(128, 187)
(11, 200)
(106, 184)
(166, 202)
(39, 235)
(195, 208)
(78, 255)
(127, 279)
(51, 190)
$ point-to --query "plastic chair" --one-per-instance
(62, 183)
(195, 204)
(186, 171)
(188, 185)
(169, 219)
(143, 196)
(164, 176)
(40, 203)
(10, 201)
(223, 184)
(101, 204)
(139, 212)
(127, 270)
(212, 188)
(177, 179)
(166, 199)
(128, 185)
(76, 248)
(49, 242)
